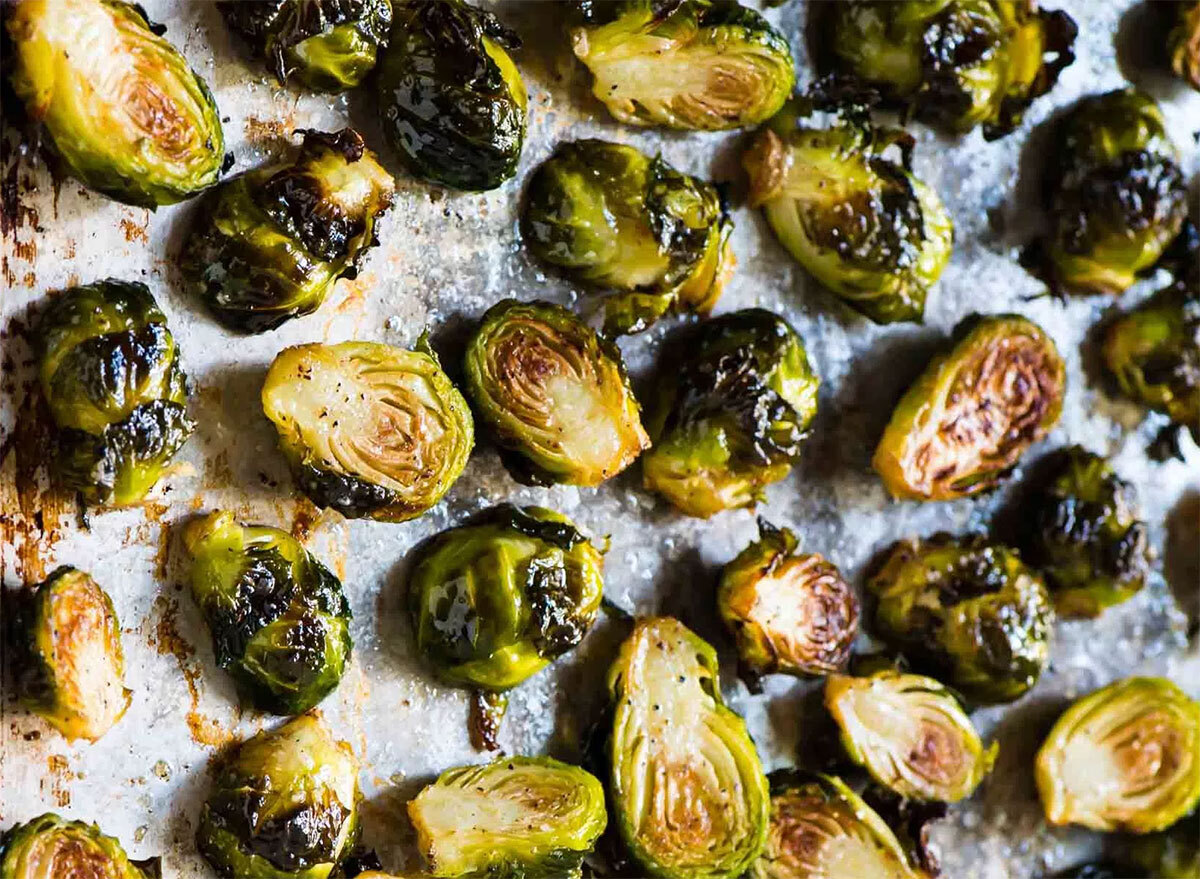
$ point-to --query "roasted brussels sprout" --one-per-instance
(279, 620)
(452, 100)
(970, 416)
(1116, 195)
(109, 370)
(821, 829)
(516, 817)
(1126, 757)
(329, 45)
(910, 733)
(120, 105)
(272, 242)
(789, 612)
(858, 222)
(554, 393)
(731, 415)
(699, 64)
(49, 847)
(1184, 43)
(955, 64)
(284, 805)
(68, 666)
(368, 429)
(967, 609)
(687, 789)
(614, 218)
(1083, 534)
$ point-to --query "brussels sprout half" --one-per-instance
(820, 829)
(329, 45)
(280, 623)
(789, 612)
(109, 371)
(120, 105)
(525, 817)
(451, 98)
(68, 666)
(954, 64)
(50, 847)
(368, 429)
(284, 805)
(1184, 43)
(732, 414)
(687, 788)
(974, 411)
(1126, 757)
(698, 64)
(272, 242)
(613, 218)
(967, 609)
(858, 222)
(555, 394)
(910, 733)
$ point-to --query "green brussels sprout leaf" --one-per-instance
(50, 847)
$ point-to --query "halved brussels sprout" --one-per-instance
(821, 829)
(122, 108)
(451, 98)
(1083, 534)
(109, 370)
(686, 785)
(858, 222)
(1184, 43)
(1126, 757)
(789, 612)
(910, 733)
(518, 816)
(68, 666)
(698, 64)
(271, 243)
(1117, 197)
(966, 609)
(731, 416)
(974, 411)
(368, 429)
(555, 394)
(329, 45)
(50, 847)
(955, 64)
(613, 218)
(283, 805)
(280, 623)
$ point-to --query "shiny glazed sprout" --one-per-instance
(788, 611)
(910, 733)
(50, 847)
(68, 665)
(731, 413)
(615, 219)
(1184, 43)
(109, 371)
(971, 415)
(280, 623)
(526, 817)
(271, 243)
(283, 805)
(120, 105)
(369, 430)
(966, 609)
(451, 98)
(687, 789)
(856, 220)
(328, 45)
(955, 64)
(554, 393)
(693, 64)
(1126, 757)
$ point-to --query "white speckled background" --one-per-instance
(444, 258)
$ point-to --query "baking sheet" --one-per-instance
(444, 258)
